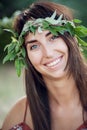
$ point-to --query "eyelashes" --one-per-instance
(34, 47)
(53, 37)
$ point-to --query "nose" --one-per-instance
(47, 50)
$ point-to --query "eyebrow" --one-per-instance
(48, 34)
(32, 41)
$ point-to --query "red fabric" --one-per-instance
(21, 126)
(83, 126)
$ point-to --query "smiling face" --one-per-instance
(47, 53)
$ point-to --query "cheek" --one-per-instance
(66, 53)
(63, 48)
(35, 58)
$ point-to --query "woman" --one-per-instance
(56, 76)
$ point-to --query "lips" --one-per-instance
(54, 62)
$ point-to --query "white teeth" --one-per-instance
(54, 63)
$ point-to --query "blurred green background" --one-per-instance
(12, 87)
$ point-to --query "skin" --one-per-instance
(52, 55)
(49, 55)
(16, 115)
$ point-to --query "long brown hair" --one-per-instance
(36, 90)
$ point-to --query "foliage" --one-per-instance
(5, 22)
(16, 50)
(7, 7)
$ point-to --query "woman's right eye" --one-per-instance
(33, 47)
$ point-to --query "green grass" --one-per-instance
(11, 89)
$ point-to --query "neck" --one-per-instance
(63, 92)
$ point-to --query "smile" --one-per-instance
(54, 63)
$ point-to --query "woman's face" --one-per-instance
(47, 53)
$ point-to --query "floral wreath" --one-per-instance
(16, 51)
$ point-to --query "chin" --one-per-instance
(56, 75)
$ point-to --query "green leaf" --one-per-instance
(6, 58)
(81, 42)
(81, 31)
(69, 28)
(14, 39)
(53, 31)
(20, 40)
(25, 64)
(11, 47)
(17, 52)
(13, 56)
(6, 47)
(23, 52)
(18, 66)
(45, 24)
(11, 31)
(60, 29)
(19, 63)
(17, 47)
(9, 57)
(77, 21)
(32, 29)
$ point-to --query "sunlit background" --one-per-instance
(12, 87)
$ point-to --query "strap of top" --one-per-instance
(25, 113)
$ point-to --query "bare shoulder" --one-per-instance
(16, 114)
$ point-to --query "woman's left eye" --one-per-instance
(53, 37)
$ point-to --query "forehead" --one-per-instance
(31, 36)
